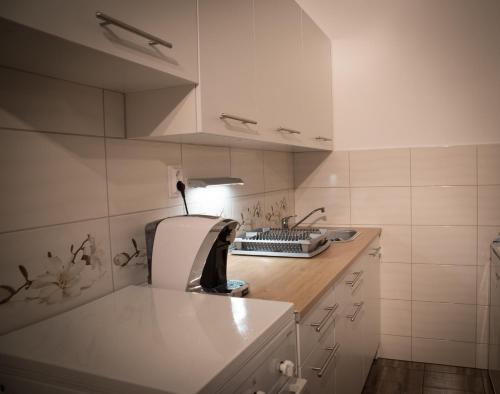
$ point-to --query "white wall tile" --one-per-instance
(278, 171)
(395, 347)
(482, 356)
(483, 324)
(395, 317)
(205, 161)
(488, 205)
(485, 235)
(395, 281)
(335, 201)
(445, 205)
(214, 201)
(114, 114)
(321, 169)
(396, 244)
(440, 351)
(138, 175)
(248, 165)
(33, 102)
(444, 283)
(444, 321)
(130, 264)
(483, 284)
(443, 166)
(444, 245)
(383, 167)
(380, 205)
(488, 164)
(50, 178)
(30, 248)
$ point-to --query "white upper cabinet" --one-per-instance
(131, 46)
(278, 69)
(317, 87)
(227, 68)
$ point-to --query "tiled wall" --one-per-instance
(439, 209)
(72, 185)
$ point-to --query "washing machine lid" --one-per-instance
(146, 340)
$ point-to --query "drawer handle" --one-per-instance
(153, 40)
(359, 306)
(320, 371)
(331, 310)
(323, 139)
(289, 131)
(357, 276)
(238, 118)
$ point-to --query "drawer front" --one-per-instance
(266, 375)
(319, 368)
(317, 323)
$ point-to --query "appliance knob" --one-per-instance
(287, 368)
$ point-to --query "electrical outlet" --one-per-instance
(174, 175)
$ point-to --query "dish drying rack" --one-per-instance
(298, 242)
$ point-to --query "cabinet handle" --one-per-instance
(109, 20)
(320, 371)
(238, 118)
(357, 276)
(331, 310)
(358, 306)
(289, 131)
(319, 138)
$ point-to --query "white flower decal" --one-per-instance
(61, 280)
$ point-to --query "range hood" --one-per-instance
(214, 181)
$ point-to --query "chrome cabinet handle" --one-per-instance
(331, 310)
(109, 20)
(320, 371)
(289, 131)
(319, 138)
(357, 276)
(238, 118)
(359, 306)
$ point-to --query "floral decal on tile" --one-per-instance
(277, 211)
(251, 216)
(60, 279)
(137, 257)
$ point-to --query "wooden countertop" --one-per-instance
(300, 281)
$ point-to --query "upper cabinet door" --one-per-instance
(172, 21)
(227, 70)
(317, 88)
(278, 68)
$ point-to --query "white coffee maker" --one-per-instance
(189, 253)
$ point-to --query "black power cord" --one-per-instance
(182, 189)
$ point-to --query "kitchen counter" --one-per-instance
(298, 280)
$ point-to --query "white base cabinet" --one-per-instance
(337, 358)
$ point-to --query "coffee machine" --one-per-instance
(189, 253)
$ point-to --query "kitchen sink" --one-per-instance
(342, 234)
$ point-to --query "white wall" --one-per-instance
(413, 73)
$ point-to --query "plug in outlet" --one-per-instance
(174, 175)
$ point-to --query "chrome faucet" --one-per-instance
(322, 210)
(284, 222)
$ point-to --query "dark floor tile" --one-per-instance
(452, 369)
(386, 362)
(488, 388)
(406, 380)
(453, 381)
(428, 390)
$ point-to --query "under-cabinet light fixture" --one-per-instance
(216, 181)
